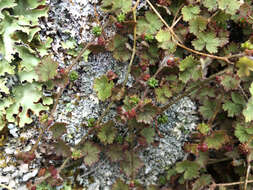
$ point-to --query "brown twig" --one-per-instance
(247, 173)
(230, 184)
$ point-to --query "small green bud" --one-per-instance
(149, 37)
(91, 122)
(134, 100)
(162, 119)
(73, 75)
(152, 82)
(119, 139)
(121, 17)
(97, 30)
(162, 180)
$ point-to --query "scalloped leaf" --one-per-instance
(91, 152)
(58, 129)
(189, 69)
(120, 185)
(103, 87)
(217, 139)
(197, 25)
(107, 133)
(190, 12)
(208, 108)
(189, 168)
(62, 149)
(149, 134)
(118, 46)
(47, 69)
(149, 24)
(207, 40)
(165, 41)
(245, 65)
(163, 94)
(243, 132)
(147, 113)
(115, 153)
(229, 6)
(230, 81)
(131, 163)
(117, 5)
(203, 128)
(202, 181)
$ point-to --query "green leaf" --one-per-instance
(91, 152)
(117, 6)
(147, 113)
(217, 139)
(47, 69)
(202, 181)
(163, 94)
(148, 25)
(149, 134)
(248, 111)
(208, 109)
(208, 40)
(203, 128)
(243, 132)
(232, 108)
(62, 149)
(189, 69)
(245, 65)
(26, 97)
(103, 87)
(58, 129)
(190, 12)
(197, 25)
(230, 81)
(210, 4)
(118, 46)
(131, 163)
(189, 168)
(107, 133)
(115, 153)
(120, 185)
(165, 40)
(229, 6)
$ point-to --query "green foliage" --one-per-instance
(149, 24)
(162, 119)
(247, 112)
(58, 129)
(97, 30)
(217, 139)
(203, 181)
(189, 168)
(190, 12)
(207, 40)
(165, 40)
(73, 75)
(163, 94)
(243, 132)
(107, 133)
(147, 113)
(91, 153)
(152, 82)
(149, 134)
(103, 87)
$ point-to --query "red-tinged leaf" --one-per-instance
(47, 69)
(62, 149)
(201, 182)
(58, 129)
(147, 113)
(230, 81)
(120, 185)
(217, 139)
(91, 152)
(191, 148)
(131, 163)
